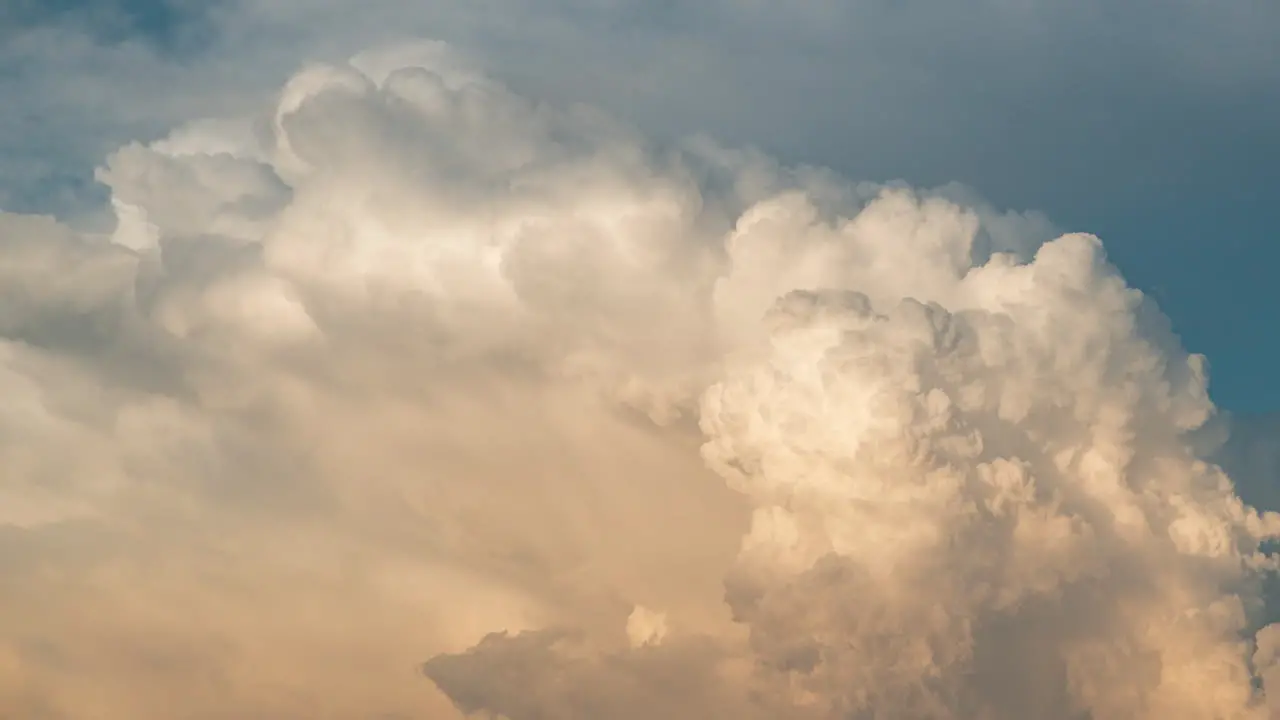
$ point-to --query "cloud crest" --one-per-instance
(408, 359)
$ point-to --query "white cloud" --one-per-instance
(414, 367)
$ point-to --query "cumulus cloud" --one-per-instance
(410, 374)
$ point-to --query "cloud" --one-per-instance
(410, 373)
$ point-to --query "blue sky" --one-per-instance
(1150, 124)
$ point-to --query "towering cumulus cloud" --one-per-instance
(411, 397)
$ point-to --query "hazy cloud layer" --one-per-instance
(407, 367)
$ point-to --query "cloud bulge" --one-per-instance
(408, 374)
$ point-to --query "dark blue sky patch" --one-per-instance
(170, 27)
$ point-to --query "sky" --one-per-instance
(618, 360)
(1151, 125)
